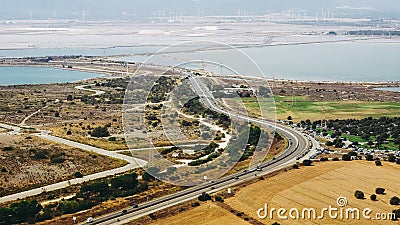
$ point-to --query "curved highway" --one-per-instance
(298, 144)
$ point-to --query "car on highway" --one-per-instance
(124, 211)
(89, 220)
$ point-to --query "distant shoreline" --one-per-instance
(382, 84)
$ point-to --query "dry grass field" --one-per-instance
(206, 214)
(319, 186)
(315, 187)
(30, 161)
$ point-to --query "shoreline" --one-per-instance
(109, 75)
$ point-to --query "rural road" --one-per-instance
(297, 146)
(133, 163)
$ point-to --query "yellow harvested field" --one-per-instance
(206, 214)
(320, 186)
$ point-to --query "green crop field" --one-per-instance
(299, 108)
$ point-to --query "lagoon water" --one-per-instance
(40, 75)
(361, 61)
(392, 89)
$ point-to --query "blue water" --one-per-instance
(39, 75)
(346, 61)
(393, 89)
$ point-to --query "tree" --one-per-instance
(96, 189)
(359, 194)
(369, 158)
(394, 200)
(289, 118)
(346, 157)
(396, 212)
(78, 174)
(378, 163)
(149, 174)
(295, 166)
(398, 161)
(25, 210)
(380, 191)
(57, 114)
(353, 153)
(307, 162)
(219, 199)
(204, 197)
(392, 158)
(70, 98)
(373, 197)
(112, 138)
(125, 182)
(69, 132)
(100, 132)
(370, 143)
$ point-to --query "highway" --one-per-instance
(297, 146)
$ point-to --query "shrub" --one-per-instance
(100, 132)
(373, 197)
(78, 174)
(392, 158)
(335, 159)
(359, 194)
(396, 212)
(346, 157)
(112, 138)
(324, 159)
(329, 143)
(380, 191)
(353, 153)
(378, 163)
(57, 158)
(8, 148)
(398, 161)
(152, 216)
(43, 154)
(204, 197)
(369, 158)
(307, 162)
(219, 199)
(394, 200)
(195, 204)
(69, 132)
(295, 166)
